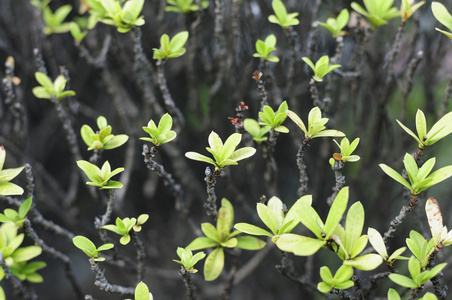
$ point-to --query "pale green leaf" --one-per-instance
(214, 264)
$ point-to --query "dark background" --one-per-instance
(32, 133)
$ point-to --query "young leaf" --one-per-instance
(214, 264)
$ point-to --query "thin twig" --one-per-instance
(104, 285)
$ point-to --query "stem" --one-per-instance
(302, 167)
(105, 218)
(211, 204)
(19, 288)
(168, 179)
(64, 259)
(141, 254)
(257, 76)
(169, 102)
(340, 180)
(399, 219)
(188, 283)
(286, 269)
(104, 285)
(315, 94)
(271, 173)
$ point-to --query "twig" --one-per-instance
(64, 259)
(302, 167)
(340, 180)
(211, 204)
(169, 102)
(141, 254)
(104, 285)
(188, 283)
(399, 219)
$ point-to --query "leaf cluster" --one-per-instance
(142, 292)
(340, 281)
(185, 6)
(377, 242)
(321, 67)
(17, 217)
(17, 258)
(6, 175)
(439, 130)
(346, 150)
(408, 8)
(443, 16)
(54, 20)
(281, 17)
(220, 237)
(378, 12)
(102, 139)
(49, 88)
(264, 49)
(274, 119)
(335, 25)
(255, 130)
(100, 177)
(88, 247)
(316, 124)
(224, 154)
(418, 277)
(124, 226)
(188, 260)
(440, 235)
(418, 177)
(110, 12)
(162, 133)
(272, 215)
(171, 48)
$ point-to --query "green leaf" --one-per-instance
(353, 225)
(199, 157)
(9, 174)
(229, 146)
(441, 14)
(142, 292)
(267, 216)
(299, 245)
(323, 287)
(421, 125)
(249, 243)
(440, 129)
(201, 243)
(396, 176)
(10, 189)
(178, 41)
(366, 262)
(44, 80)
(376, 240)
(252, 229)
(393, 295)
(403, 281)
(210, 231)
(26, 253)
(83, 243)
(438, 176)
(242, 153)
(225, 218)
(214, 264)
(25, 207)
(336, 212)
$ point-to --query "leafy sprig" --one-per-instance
(316, 124)
(223, 154)
(265, 48)
(123, 227)
(321, 67)
(102, 139)
(408, 8)
(281, 17)
(188, 260)
(88, 247)
(54, 20)
(171, 48)
(8, 188)
(378, 12)
(49, 88)
(419, 177)
(335, 25)
(274, 119)
(162, 133)
(17, 217)
(185, 6)
(340, 281)
(100, 177)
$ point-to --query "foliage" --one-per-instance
(443, 16)
(18, 258)
(16, 217)
(378, 12)
(274, 119)
(419, 177)
(281, 17)
(418, 278)
(221, 237)
(188, 260)
(224, 154)
(100, 177)
(316, 124)
(89, 248)
(49, 89)
(142, 292)
(264, 49)
(102, 139)
(340, 281)
(162, 133)
(54, 21)
(8, 188)
(272, 215)
(185, 6)
(321, 67)
(440, 235)
(408, 8)
(335, 25)
(257, 132)
(439, 130)
(377, 242)
(124, 226)
(346, 150)
(111, 13)
(171, 48)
